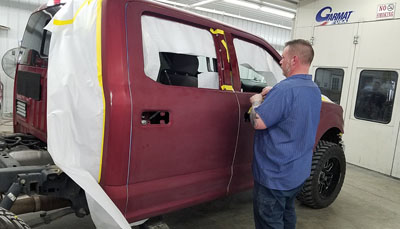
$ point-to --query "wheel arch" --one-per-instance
(331, 124)
(333, 134)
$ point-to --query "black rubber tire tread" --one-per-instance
(154, 223)
(9, 220)
(309, 194)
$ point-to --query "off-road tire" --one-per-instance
(154, 223)
(9, 220)
(328, 170)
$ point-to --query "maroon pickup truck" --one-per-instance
(177, 131)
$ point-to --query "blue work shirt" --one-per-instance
(283, 151)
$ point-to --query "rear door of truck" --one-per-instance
(184, 126)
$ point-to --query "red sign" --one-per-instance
(386, 10)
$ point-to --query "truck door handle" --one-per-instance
(155, 117)
(246, 116)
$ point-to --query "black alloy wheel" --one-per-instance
(328, 170)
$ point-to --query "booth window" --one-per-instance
(330, 81)
(177, 54)
(257, 68)
(375, 95)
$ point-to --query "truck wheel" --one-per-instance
(9, 220)
(154, 223)
(327, 175)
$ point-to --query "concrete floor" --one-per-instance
(367, 200)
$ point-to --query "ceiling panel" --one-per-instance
(222, 6)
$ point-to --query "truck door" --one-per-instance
(184, 127)
(255, 65)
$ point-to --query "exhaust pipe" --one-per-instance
(27, 204)
(28, 157)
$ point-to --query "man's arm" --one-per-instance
(255, 119)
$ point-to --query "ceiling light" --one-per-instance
(173, 3)
(210, 10)
(226, 14)
(202, 3)
(243, 3)
(277, 12)
(280, 7)
(241, 17)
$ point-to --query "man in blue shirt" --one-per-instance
(286, 124)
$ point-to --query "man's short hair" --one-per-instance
(302, 49)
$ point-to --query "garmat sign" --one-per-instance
(326, 16)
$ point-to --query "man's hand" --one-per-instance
(256, 100)
(266, 90)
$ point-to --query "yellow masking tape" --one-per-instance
(70, 21)
(227, 87)
(100, 77)
(226, 47)
(220, 31)
(217, 31)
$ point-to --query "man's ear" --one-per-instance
(295, 60)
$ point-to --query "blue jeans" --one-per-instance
(274, 208)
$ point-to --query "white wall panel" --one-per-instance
(369, 142)
(13, 14)
(273, 35)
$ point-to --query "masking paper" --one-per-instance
(76, 106)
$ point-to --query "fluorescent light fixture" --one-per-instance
(202, 3)
(210, 10)
(228, 14)
(277, 12)
(243, 3)
(280, 7)
(172, 3)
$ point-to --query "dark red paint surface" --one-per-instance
(156, 168)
